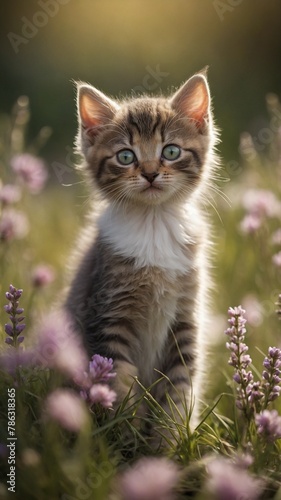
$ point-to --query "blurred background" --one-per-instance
(149, 46)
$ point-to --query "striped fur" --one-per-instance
(138, 294)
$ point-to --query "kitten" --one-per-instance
(139, 292)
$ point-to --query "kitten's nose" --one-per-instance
(150, 176)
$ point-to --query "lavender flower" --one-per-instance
(9, 194)
(11, 360)
(248, 391)
(102, 394)
(13, 225)
(252, 396)
(16, 327)
(100, 369)
(67, 408)
(31, 171)
(269, 425)
(271, 375)
(229, 481)
(42, 275)
(150, 478)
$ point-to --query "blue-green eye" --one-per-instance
(171, 152)
(125, 157)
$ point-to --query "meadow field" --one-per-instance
(57, 438)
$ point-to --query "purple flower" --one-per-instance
(11, 360)
(42, 275)
(100, 369)
(31, 171)
(248, 391)
(13, 225)
(276, 259)
(60, 347)
(102, 394)
(150, 479)
(16, 327)
(67, 408)
(230, 481)
(269, 425)
(9, 194)
(271, 375)
(253, 391)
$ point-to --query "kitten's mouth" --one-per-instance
(152, 189)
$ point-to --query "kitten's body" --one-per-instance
(138, 295)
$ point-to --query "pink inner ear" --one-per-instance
(198, 103)
(88, 113)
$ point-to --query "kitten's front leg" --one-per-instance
(124, 384)
(176, 393)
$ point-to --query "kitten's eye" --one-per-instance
(126, 157)
(171, 152)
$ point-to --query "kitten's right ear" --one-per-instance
(95, 110)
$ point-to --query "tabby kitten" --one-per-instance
(138, 294)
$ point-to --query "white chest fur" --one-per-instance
(153, 236)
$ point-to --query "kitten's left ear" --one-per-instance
(193, 100)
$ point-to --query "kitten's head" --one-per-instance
(147, 150)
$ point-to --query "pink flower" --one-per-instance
(10, 194)
(254, 310)
(230, 481)
(60, 347)
(150, 479)
(67, 408)
(31, 171)
(261, 202)
(13, 225)
(276, 237)
(250, 224)
(276, 259)
(42, 275)
(100, 393)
